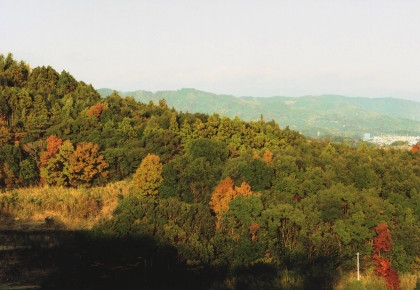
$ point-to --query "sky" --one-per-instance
(243, 48)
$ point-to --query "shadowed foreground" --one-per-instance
(60, 259)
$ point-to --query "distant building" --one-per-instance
(389, 139)
(366, 136)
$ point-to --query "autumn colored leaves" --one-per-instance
(382, 244)
(64, 165)
(224, 193)
(148, 176)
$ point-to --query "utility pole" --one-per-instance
(358, 272)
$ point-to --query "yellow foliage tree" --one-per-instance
(244, 190)
(148, 176)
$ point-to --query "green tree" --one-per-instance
(39, 118)
(237, 239)
(164, 143)
(66, 84)
(173, 126)
(28, 172)
(43, 80)
(198, 179)
(12, 73)
(185, 132)
(254, 171)
(5, 135)
(57, 171)
(10, 157)
(213, 151)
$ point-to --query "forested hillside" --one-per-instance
(199, 201)
(326, 114)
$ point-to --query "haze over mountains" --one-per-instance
(311, 115)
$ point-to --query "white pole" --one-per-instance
(358, 272)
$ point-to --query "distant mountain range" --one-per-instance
(311, 115)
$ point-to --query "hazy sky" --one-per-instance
(259, 48)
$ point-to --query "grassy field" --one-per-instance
(369, 281)
(72, 208)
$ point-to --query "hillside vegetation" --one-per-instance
(326, 114)
(167, 199)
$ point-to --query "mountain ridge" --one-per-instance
(312, 115)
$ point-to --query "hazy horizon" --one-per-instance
(250, 96)
(240, 48)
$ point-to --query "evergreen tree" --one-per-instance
(148, 176)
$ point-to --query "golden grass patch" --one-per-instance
(75, 208)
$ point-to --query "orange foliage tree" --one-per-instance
(53, 144)
(61, 164)
(415, 148)
(86, 164)
(224, 193)
(255, 155)
(382, 243)
(96, 110)
(268, 156)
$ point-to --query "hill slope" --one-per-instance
(326, 114)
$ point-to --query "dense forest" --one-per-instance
(205, 201)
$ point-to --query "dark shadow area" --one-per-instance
(47, 257)
(59, 259)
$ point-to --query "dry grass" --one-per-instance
(74, 208)
(369, 281)
(409, 281)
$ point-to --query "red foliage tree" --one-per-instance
(53, 143)
(415, 148)
(382, 243)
